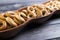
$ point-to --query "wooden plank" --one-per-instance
(40, 33)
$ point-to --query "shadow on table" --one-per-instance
(58, 38)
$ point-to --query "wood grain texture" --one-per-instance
(43, 32)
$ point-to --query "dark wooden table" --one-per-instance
(49, 29)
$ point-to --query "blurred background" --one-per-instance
(17, 1)
(16, 4)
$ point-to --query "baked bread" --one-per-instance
(15, 18)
